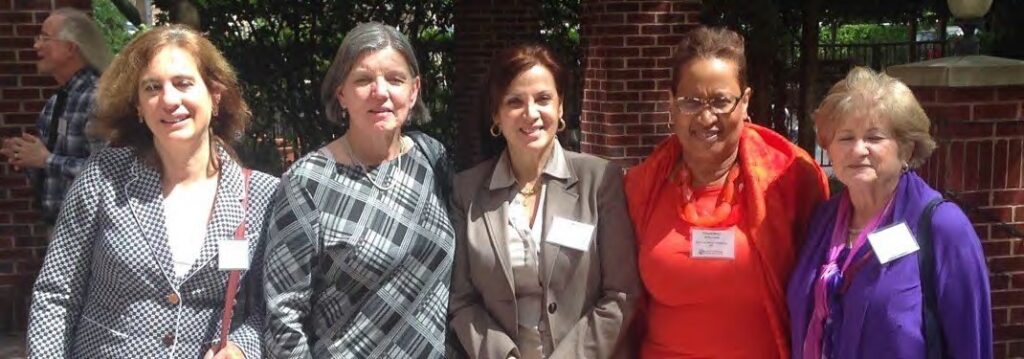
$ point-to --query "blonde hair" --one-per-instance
(117, 96)
(877, 95)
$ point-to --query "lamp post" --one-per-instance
(970, 15)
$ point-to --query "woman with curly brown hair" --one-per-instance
(133, 268)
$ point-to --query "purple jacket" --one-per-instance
(882, 307)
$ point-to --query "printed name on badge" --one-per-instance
(713, 243)
(572, 234)
(233, 254)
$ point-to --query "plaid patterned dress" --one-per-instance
(356, 272)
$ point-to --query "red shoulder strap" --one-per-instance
(229, 295)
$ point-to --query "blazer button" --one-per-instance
(173, 299)
(552, 307)
(169, 339)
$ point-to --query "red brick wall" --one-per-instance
(482, 27)
(981, 138)
(22, 94)
(627, 45)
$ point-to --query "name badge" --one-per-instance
(572, 234)
(893, 242)
(62, 126)
(233, 254)
(713, 243)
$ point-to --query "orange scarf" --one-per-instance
(779, 178)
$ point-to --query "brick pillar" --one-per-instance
(981, 135)
(23, 92)
(979, 126)
(483, 27)
(627, 78)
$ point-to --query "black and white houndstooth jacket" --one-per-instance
(107, 288)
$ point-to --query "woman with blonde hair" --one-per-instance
(889, 270)
(133, 267)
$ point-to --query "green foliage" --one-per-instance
(867, 34)
(115, 26)
(560, 30)
(282, 49)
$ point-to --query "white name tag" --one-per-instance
(233, 254)
(713, 243)
(893, 242)
(572, 234)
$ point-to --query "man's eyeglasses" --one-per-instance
(719, 105)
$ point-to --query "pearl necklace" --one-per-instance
(366, 170)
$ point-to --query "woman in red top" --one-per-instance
(718, 209)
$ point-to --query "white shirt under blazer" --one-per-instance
(108, 289)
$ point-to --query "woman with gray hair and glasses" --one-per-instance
(360, 245)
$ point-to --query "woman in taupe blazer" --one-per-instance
(545, 260)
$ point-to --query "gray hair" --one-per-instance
(877, 96)
(362, 39)
(80, 29)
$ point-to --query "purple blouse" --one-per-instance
(882, 306)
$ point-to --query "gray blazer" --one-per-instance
(590, 296)
(107, 288)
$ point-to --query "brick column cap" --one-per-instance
(961, 71)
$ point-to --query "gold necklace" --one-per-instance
(528, 192)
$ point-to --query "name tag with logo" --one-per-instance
(713, 243)
(233, 254)
(572, 234)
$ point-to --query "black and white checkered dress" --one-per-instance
(356, 272)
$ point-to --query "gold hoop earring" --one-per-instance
(906, 166)
(495, 131)
(561, 125)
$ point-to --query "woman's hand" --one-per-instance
(230, 351)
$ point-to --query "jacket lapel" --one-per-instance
(145, 199)
(560, 201)
(226, 216)
(495, 212)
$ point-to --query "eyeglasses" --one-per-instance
(42, 38)
(719, 105)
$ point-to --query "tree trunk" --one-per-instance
(129, 11)
(181, 12)
(912, 38)
(185, 13)
(943, 14)
(808, 72)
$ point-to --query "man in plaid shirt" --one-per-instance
(72, 49)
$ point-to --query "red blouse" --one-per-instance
(701, 308)
(723, 308)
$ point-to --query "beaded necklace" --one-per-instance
(688, 208)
